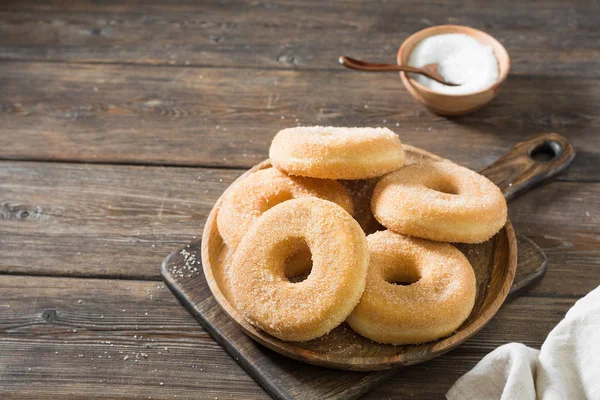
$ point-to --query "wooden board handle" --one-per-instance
(530, 162)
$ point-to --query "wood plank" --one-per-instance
(71, 336)
(564, 220)
(82, 220)
(213, 117)
(554, 38)
(106, 339)
(121, 221)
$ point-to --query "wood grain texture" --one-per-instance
(282, 377)
(554, 38)
(83, 339)
(93, 220)
(572, 246)
(131, 83)
(519, 170)
(82, 220)
(227, 118)
(531, 265)
(43, 326)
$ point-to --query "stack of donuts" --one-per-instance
(339, 229)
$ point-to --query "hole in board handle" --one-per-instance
(546, 151)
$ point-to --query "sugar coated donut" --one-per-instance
(304, 310)
(337, 153)
(439, 201)
(435, 304)
(258, 192)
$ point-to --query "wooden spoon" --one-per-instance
(429, 70)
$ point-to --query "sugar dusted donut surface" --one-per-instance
(256, 193)
(440, 201)
(437, 301)
(311, 308)
(337, 153)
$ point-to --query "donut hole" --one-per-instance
(298, 265)
(443, 186)
(403, 275)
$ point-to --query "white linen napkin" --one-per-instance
(566, 367)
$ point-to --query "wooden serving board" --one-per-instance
(283, 377)
(494, 263)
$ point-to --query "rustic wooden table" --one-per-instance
(122, 122)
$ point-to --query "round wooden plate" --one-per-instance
(494, 263)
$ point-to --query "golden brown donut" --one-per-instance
(439, 201)
(337, 153)
(308, 309)
(435, 304)
(258, 192)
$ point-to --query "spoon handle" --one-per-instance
(358, 65)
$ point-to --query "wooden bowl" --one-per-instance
(453, 104)
(494, 263)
